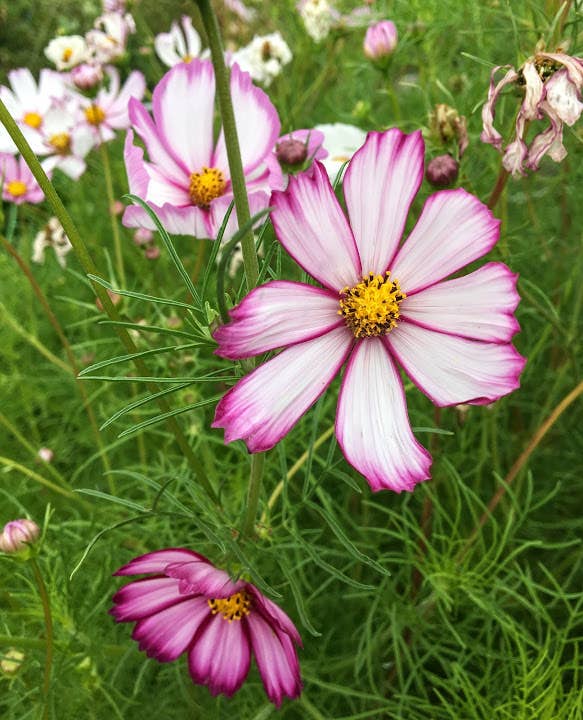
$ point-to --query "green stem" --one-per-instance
(48, 633)
(253, 492)
(114, 224)
(9, 463)
(90, 268)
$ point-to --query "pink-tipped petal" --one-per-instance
(156, 562)
(489, 134)
(183, 105)
(133, 88)
(275, 315)
(135, 167)
(453, 370)
(142, 598)
(220, 655)
(258, 200)
(372, 424)
(166, 634)
(381, 182)
(454, 229)
(311, 226)
(276, 659)
(257, 122)
(200, 576)
(266, 404)
(480, 305)
(189, 220)
(274, 615)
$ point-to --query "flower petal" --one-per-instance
(266, 404)
(489, 134)
(156, 562)
(276, 659)
(201, 576)
(311, 226)
(183, 105)
(166, 634)
(372, 425)
(454, 229)
(453, 370)
(274, 615)
(134, 87)
(381, 182)
(142, 598)
(258, 200)
(480, 305)
(563, 97)
(189, 220)
(275, 315)
(220, 655)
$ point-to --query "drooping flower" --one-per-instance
(109, 110)
(341, 141)
(187, 605)
(380, 40)
(18, 183)
(552, 85)
(67, 51)
(107, 41)
(379, 304)
(178, 45)
(53, 236)
(18, 535)
(264, 57)
(187, 180)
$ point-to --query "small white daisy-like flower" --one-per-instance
(52, 235)
(178, 45)
(318, 17)
(67, 51)
(264, 57)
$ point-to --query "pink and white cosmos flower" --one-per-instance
(187, 605)
(186, 180)
(379, 304)
(18, 183)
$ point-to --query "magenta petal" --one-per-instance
(372, 424)
(156, 562)
(454, 229)
(453, 370)
(381, 182)
(276, 659)
(311, 226)
(220, 655)
(166, 634)
(202, 577)
(144, 597)
(266, 404)
(275, 315)
(480, 305)
(274, 615)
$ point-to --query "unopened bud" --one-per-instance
(380, 40)
(442, 171)
(152, 252)
(143, 236)
(291, 151)
(86, 76)
(117, 207)
(46, 454)
(18, 535)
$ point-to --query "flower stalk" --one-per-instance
(119, 264)
(48, 633)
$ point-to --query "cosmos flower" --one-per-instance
(187, 605)
(18, 183)
(186, 180)
(318, 16)
(178, 45)
(264, 57)
(108, 111)
(379, 304)
(380, 40)
(18, 535)
(67, 51)
(65, 141)
(53, 236)
(107, 41)
(341, 141)
(552, 84)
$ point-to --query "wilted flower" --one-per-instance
(187, 605)
(318, 17)
(264, 57)
(67, 51)
(18, 535)
(187, 180)
(52, 235)
(107, 41)
(380, 40)
(442, 170)
(448, 127)
(18, 183)
(178, 45)
(86, 76)
(46, 454)
(341, 141)
(552, 85)
(379, 304)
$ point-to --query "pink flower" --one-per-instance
(380, 40)
(86, 76)
(188, 605)
(379, 304)
(18, 183)
(186, 180)
(18, 535)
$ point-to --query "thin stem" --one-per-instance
(253, 492)
(501, 181)
(8, 462)
(90, 268)
(68, 351)
(114, 224)
(48, 633)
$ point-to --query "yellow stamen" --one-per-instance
(16, 188)
(372, 307)
(67, 54)
(187, 58)
(94, 115)
(206, 186)
(235, 607)
(32, 119)
(61, 142)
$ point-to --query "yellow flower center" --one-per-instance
(206, 186)
(61, 142)
(94, 115)
(372, 307)
(16, 188)
(235, 607)
(32, 119)
(67, 54)
(187, 58)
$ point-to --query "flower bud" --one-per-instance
(143, 236)
(380, 40)
(86, 76)
(442, 171)
(46, 454)
(18, 535)
(152, 252)
(117, 207)
(291, 151)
